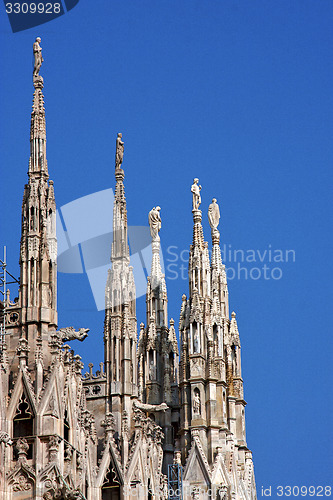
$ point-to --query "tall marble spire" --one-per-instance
(212, 415)
(218, 273)
(158, 348)
(120, 310)
(38, 265)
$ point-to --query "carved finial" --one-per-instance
(119, 151)
(22, 448)
(233, 314)
(154, 219)
(23, 349)
(53, 448)
(108, 423)
(196, 198)
(37, 50)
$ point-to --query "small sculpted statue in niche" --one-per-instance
(196, 402)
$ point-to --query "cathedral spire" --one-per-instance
(120, 315)
(156, 332)
(199, 276)
(158, 349)
(120, 250)
(37, 162)
(218, 274)
(38, 266)
(156, 289)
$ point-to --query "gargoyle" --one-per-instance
(70, 333)
(152, 408)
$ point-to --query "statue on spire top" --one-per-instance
(213, 215)
(37, 50)
(195, 190)
(155, 223)
(119, 151)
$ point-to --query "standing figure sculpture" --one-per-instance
(213, 215)
(37, 50)
(195, 190)
(155, 223)
(196, 402)
(119, 151)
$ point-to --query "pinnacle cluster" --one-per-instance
(160, 418)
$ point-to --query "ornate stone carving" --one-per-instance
(68, 452)
(108, 423)
(22, 348)
(21, 483)
(197, 366)
(22, 448)
(53, 448)
(5, 438)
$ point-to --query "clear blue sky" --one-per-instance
(239, 94)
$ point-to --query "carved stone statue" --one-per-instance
(119, 151)
(155, 223)
(70, 333)
(196, 346)
(213, 214)
(152, 371)
(37, 50)
(196, 403)
(152, 408)
(195, 190)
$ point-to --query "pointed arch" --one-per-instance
(50, 403)
(22, 479)
(21, 412)
(109, 457)
(220, 475)
(135, 470)
(196, 468)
